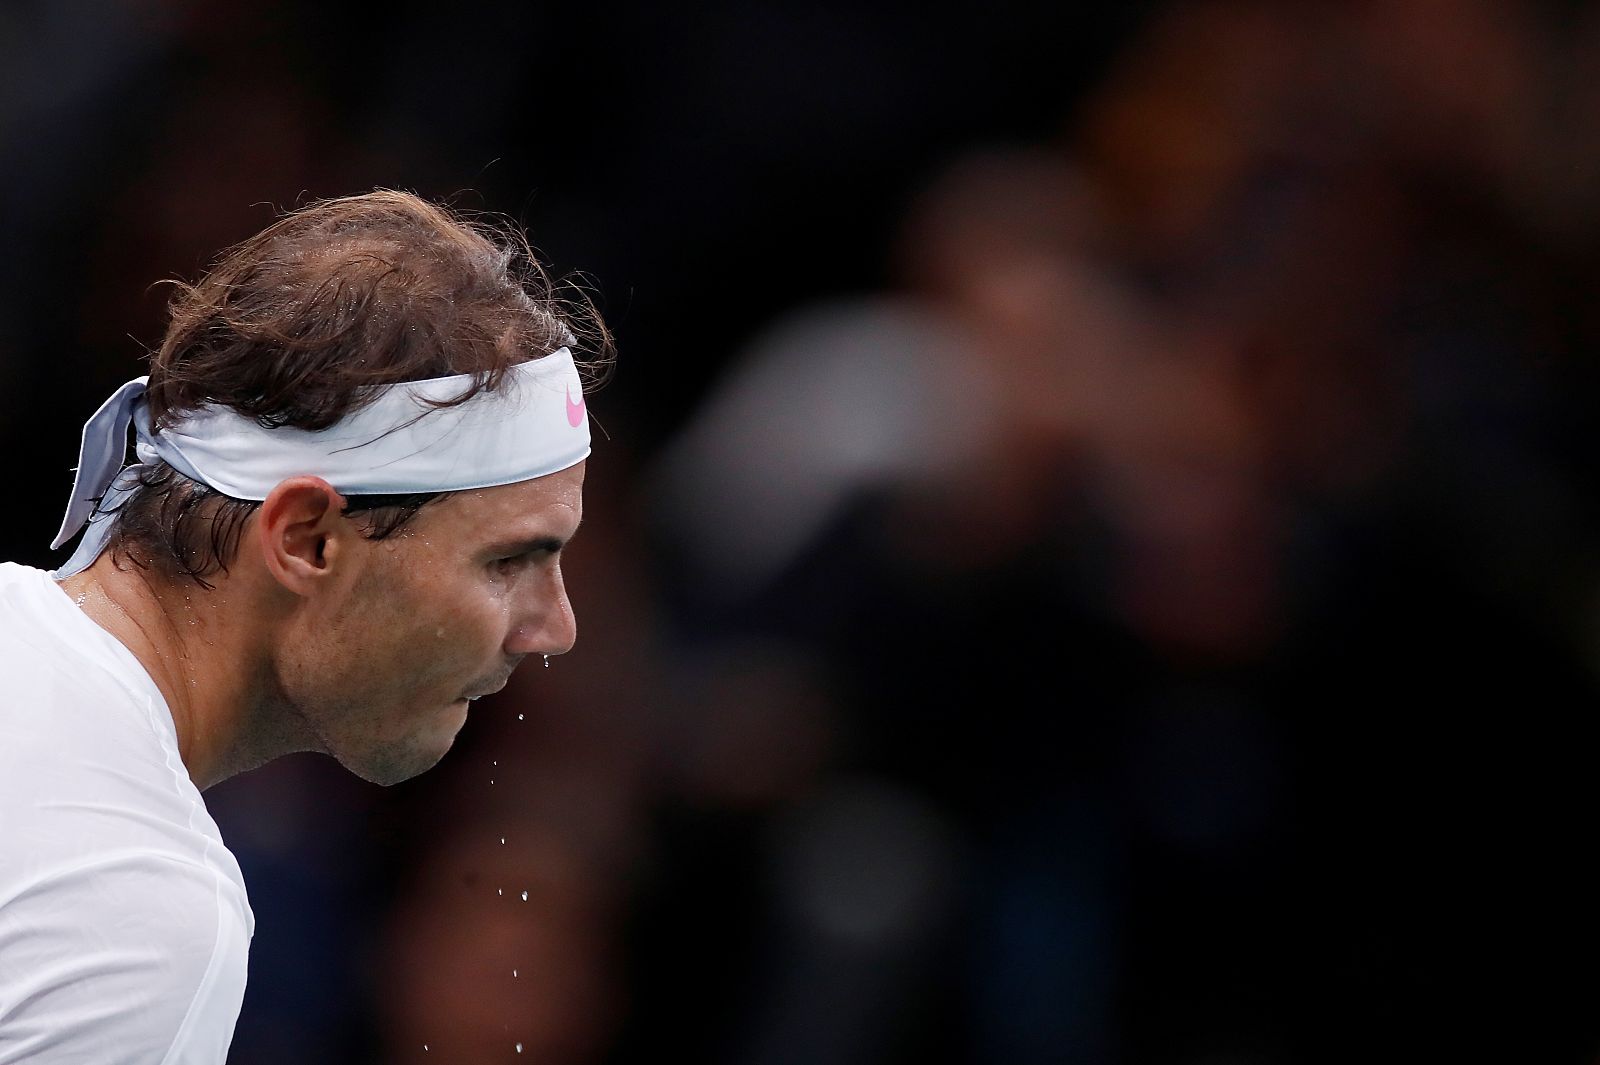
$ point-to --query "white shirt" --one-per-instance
(124, 926)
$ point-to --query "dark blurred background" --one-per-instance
(1094, 555)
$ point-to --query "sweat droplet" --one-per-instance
(499, 891)
(519, 1048)
(502, 841)
(524, 896)
(513, 974)
(519, 717)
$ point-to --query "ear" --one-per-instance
(303, 534)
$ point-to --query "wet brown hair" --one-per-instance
(300, 325)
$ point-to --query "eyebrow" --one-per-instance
(509, 548)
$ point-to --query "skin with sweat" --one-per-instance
(320, 639)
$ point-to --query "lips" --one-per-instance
(481, 692)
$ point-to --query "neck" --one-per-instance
(210, 668)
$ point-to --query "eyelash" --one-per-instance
(525, 558)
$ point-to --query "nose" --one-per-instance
(544, 623)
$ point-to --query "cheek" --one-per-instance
(395, 629)
(469, 619)
(384, 638)
(432, 619)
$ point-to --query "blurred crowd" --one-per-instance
(1149, 612)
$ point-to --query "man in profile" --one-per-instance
(360, 451)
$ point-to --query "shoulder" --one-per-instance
(43, 634)
(131, 955)
(83, 730)
(124, 927)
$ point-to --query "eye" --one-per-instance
(510, 564)
(510, 559)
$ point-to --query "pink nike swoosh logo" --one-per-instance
(574, 410)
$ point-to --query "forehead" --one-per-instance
(544, 506)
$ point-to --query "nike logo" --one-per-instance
(574, 410)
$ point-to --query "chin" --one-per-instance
(397, 760)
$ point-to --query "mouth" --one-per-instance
(481, 692)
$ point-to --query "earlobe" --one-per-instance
(301, 530)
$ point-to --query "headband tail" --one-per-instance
(100, 457)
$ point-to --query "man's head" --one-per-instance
(386, 611)
(300, 324)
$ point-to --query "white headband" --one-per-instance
(400, 443)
